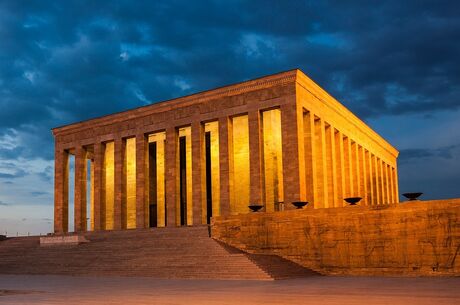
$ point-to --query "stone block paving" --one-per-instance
(47, 289)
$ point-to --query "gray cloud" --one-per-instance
(407, 155)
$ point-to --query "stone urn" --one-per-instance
(412, 196)
(255, 207)
(299, 204)
(353, 200)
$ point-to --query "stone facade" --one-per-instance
(412, 238)
(182, 161)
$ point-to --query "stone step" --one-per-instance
(185, 252)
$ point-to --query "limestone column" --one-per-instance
(391, 185)
(224, 166)
(142, 181)
(61, 190)
(197, 172)
(348, 167)
(80, 189)
(363, 174)
(98, 163)
(356, 172)
(293, 153)
(91, 193)
(382, 181)
(378, 169)
(311, 188)
(370, 184)
(119, 211)
(255, 158)
(395, 182)
(321, 168)
(331, 167)
(340, 169)
(375, 180)
(387, 183)
(171, 176)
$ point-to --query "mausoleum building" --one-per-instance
(269, 141)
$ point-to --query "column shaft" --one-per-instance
(170, 176)
(198, 171)
(363, 173)
(387, 183)
(370, 184)
(142, 181)
(80, 189)
(348, 167)
(330, 167)
(378, 170)
(293, 154)
(395, 182)
(224, 167)
(321, 168)
(119, 211)
(356, 171)
(97, 186)
(311, 188)
(340, 169)
(61, 191)
(255, 158)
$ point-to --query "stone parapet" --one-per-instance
(419, 238)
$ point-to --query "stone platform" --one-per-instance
(418, 238)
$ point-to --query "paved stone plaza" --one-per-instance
(27, 289)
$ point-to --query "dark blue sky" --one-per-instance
(395, 64)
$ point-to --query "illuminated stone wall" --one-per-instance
(280, 138)
(109, 184)
(412, 238)
(273, 158)
(130, 168)
(240, 178)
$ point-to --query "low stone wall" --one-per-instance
(411, 238)
(59, 240)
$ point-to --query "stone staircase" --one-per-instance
(184, 252)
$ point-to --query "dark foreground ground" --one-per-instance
(39, 289)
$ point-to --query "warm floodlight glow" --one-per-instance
(130, 166)
(109, 181)
(239, 186)
(273, 158)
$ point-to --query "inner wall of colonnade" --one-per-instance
(126, 183)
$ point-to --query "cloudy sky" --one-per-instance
(395, 64)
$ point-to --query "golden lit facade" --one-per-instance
(268, 141)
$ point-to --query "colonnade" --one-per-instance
(186, 174)
(343, 167)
